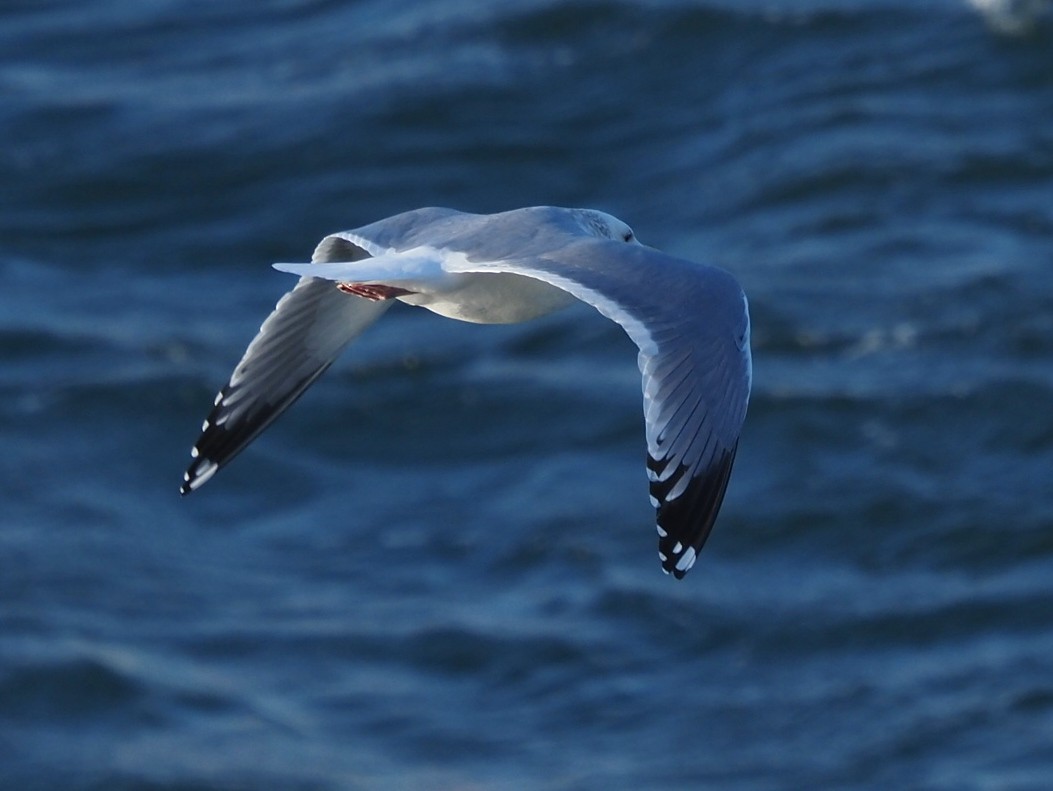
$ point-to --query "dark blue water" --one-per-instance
(438, 571)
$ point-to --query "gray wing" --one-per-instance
(296, 344)
(691, 324)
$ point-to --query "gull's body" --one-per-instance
(689, 321)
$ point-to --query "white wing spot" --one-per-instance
(687, 561)
(678, 548)
(204, 472)
(679, 488)
(661, 532)
(204, 426)
(194, 453)
(662, 557)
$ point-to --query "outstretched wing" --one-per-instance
(692, 327)
(691, 324)
(296, 344)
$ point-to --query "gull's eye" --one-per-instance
(627, 236)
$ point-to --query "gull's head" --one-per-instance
(606, 226)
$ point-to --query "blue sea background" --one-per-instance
(438, 570)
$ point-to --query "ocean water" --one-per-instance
(438, 570)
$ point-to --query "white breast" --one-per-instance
(490, 298)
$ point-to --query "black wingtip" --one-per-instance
(197, 474)
(685, 521)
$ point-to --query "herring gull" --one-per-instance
(690, 322)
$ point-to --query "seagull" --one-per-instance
(690, 322)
